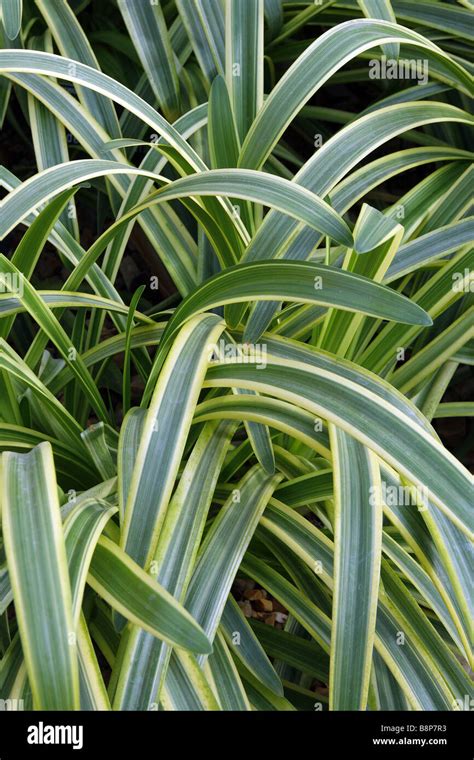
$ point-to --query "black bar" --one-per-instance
(265, 734)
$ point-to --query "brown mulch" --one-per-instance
(257, 603)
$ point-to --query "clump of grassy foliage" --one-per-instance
(226, 333)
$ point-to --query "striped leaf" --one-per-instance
(357, 537)
(35, 547)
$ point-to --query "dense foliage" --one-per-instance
(235, 302)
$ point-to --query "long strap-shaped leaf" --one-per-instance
(377, 424)
(204, 24)
(29, 249)
(437, 544)
(129, 441)
(10, 305)
(82, 529)
(263, 188)
(340, 328)
(62, 239)
(11, 17)
(246, 646)
(427, 248)
(71, 466)
(71, 70)
(302, 282)
(73, 43)
(50, 138)
(244, 60)
(63, 424)
(357, 538)
(435, 353)
(223, 549)
(133, 593)
(147, 28)
(224, 677)
(164, 435)
(413, 621)
(40, 312)
(47, 64)
(381, 9)
(388, 694)
(48, 183)
(225, 545)
(323, 58)
(143, 661)
(283, 348)
(92, 687)
(454, 20)
(341, 153)
(438, 292)
(421, 580)
(282, 236)
(220, 557)
(39, 576)
(187, 688)
(422, 682)
(267, 189)
(175, 244)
